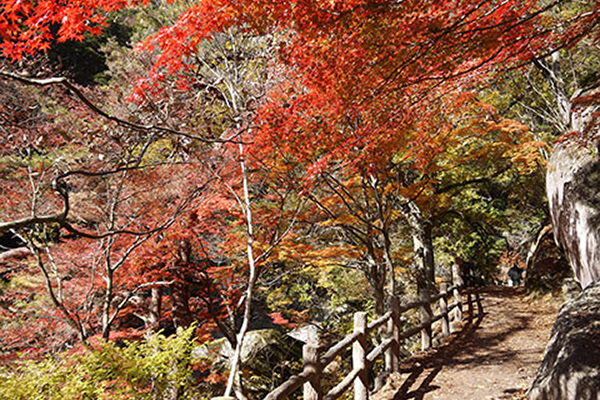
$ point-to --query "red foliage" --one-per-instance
(278, 319)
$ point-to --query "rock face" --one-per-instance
(573, 188)
(571, 366)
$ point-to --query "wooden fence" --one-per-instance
(315, 360)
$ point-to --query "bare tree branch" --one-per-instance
(62, 81)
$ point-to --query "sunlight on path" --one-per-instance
(495, 358)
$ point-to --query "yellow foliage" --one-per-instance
(414, 190)
(390, 187)
(345, 219)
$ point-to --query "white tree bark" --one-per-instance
(233, 373)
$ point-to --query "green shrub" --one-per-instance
(159, 367)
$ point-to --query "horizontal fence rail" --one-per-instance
(315, 360)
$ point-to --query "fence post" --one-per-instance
(444, 310)
(392, 355)
(470, 306)
(359, 357)
(479, 305)
(458, 283)
(312, 388)
(425, 319)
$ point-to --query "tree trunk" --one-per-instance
(535, 245)
(387, 256)
(385, 233)
(180, 289)
(422, 245)
(108, 298)
(379, 294)
(180, 297)
(155, 307)
(375, 274)
(234, 373)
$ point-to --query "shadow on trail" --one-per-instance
(469, 347)
(424, 387)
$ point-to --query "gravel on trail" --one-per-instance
(495, 357)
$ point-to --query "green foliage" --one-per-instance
(85, 61)
(325, 294)
(149, 369)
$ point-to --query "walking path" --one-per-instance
(495, 357)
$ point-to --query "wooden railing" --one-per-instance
(363, 359)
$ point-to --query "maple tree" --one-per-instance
(330, 120)
(106, 188)
(360, 212)
(238, 109)
(171, 261)
(84, 277)
(356, 206)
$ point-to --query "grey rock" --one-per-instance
(308, 334)
(571, 366)
(573, 188)
(254, 342)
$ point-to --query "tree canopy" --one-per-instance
(212, 163)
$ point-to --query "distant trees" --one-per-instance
(84, 203)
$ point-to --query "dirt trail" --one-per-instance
(496, 357)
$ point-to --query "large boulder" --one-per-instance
(573, 188)
(256, 344)
(571, 366)
(269, 357)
